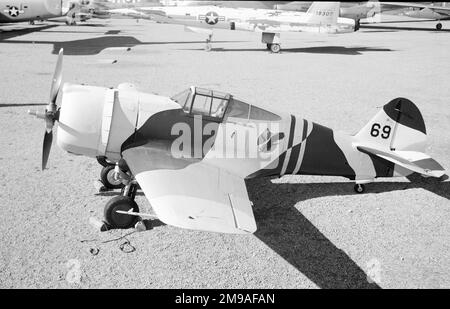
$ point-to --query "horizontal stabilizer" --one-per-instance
(415, 161)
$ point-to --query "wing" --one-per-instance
(438, 9)
(194, 195)
(415, 161)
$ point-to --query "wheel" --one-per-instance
(31, 22)
(438, 26)
(359, 188)
(117, 220)
(107, 178)
(269, 46)
(275, 48)
(208, 47)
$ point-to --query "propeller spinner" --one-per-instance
(51, 113)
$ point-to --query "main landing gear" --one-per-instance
(359, 188)
(108, 173)
(274, 48)
(272, 41)
(107, 177)
(121, 211)
(438, 26)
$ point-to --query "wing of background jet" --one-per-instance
(443, 10)
(194, 196)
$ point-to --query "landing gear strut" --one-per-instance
(208, 46)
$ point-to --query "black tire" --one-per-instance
(269, 46)
(120, 221)
(439, 26)
(359, 188)
(275, 48)
(106, 176)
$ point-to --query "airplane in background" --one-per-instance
(353, 10)
(14, 11)
(321, 17)
(436, 11)
(191, 153)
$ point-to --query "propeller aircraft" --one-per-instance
(191, 153)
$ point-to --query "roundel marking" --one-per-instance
(212, 18)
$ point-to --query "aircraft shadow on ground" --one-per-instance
(21, 104)
(8, 34)
(93, 46)
(290, 234)
(334, 50)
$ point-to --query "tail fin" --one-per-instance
(398, 126)
(397, 134)
(323, 13)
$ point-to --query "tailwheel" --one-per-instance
(438, 26)
(275, 48)
(107, 178)
(359, 188)
(119, 220)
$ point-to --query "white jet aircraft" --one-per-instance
(321, 17)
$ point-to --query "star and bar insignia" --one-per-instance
(211, 18)
(13, 11)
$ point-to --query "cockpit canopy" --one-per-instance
(217, 105)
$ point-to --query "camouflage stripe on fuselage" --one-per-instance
(311, 149)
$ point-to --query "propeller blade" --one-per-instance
(48, 138)
(56, 82)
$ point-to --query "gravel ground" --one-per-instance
(313, 232)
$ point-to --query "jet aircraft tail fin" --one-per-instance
(323, 13)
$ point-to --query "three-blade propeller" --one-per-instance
(51, 113)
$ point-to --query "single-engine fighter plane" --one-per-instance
(321, 17)
(191, 153)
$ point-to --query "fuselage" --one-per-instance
(24, 10)
(245, 19)
(229, 134)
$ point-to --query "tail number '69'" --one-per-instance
(385, 132)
